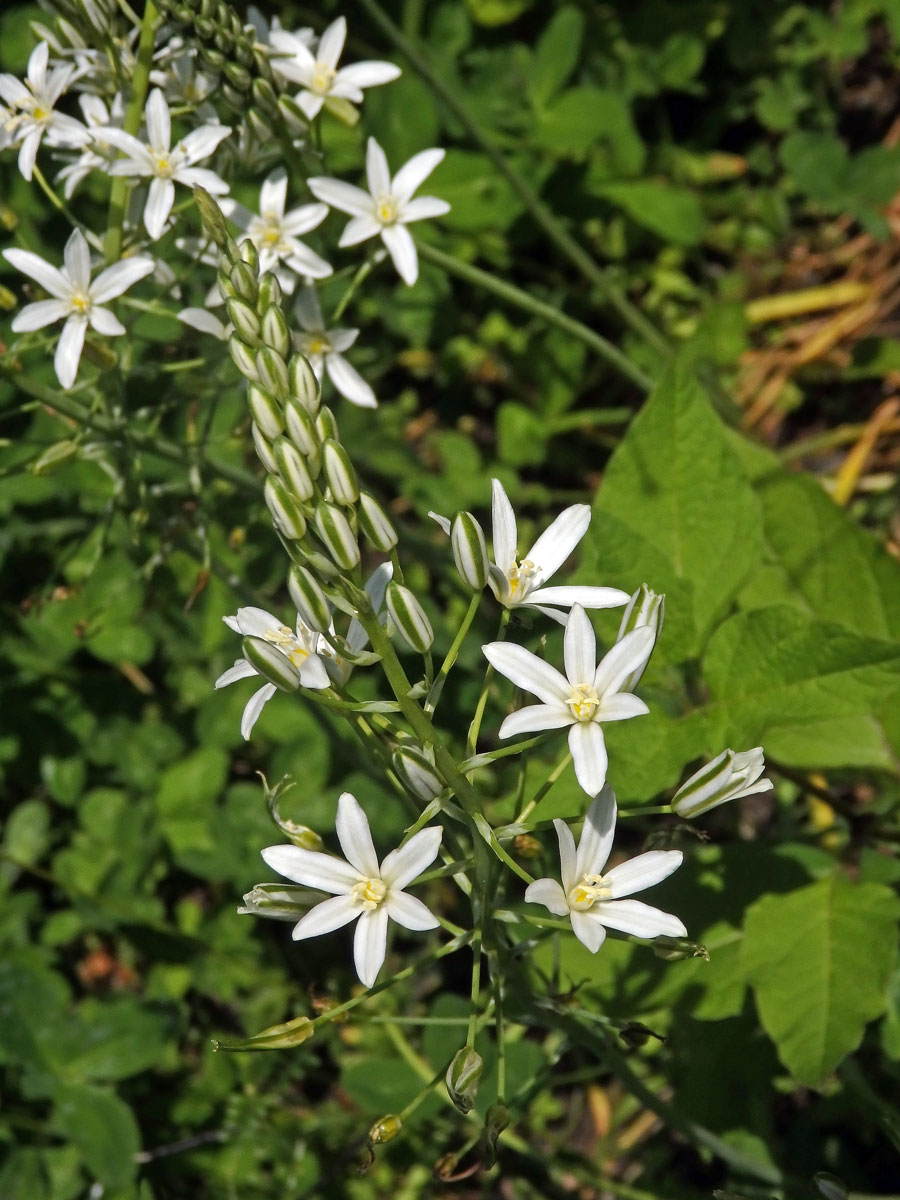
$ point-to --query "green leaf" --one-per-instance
(556, 54)
(585, 117)
(478, 197)
(103, 1128)
(521, 435)
(819, 960)
(673, 213)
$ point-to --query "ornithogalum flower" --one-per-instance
(325, 350)
(276, 234)
(318, 74)
(298, 646)
(361, 889)
(388, 206)
(31, 109)
(729, 776)
(585, 696)
(76, 300)
(594, 902)
(518, 582)
(164, 164)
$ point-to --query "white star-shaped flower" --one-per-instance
(361, 889)
(388, 206)
(318, 73)
(594, 902)
(31, 110)
(97, 154)
(275, 233)
(324, 348)
(165, 164)
(518, 582)
(587, 694)
(76, 300)
(298, 646)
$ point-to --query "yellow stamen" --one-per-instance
(386, 210)
(369, 893)
(587, 891)
(583, 701)
(322, 78)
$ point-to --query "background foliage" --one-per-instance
(712, 156)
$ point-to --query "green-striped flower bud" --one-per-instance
(238, 76)
(275, 331)
(462, 1078)
(270, 292)
(385, 1129)
(677, 949)
(301, 429)
(263, 93)
(250, 255)
(304, 385)
(469, 550)
(265, 411)
(326, 424)
(376, 524)
(408, 617)
(294, 116)
(264, 451)
(728, 777)
(417, 772)
(309, 599)
(269, 662)
(272, 372)
(646, 608)
(281, 902)
(243, 281)
(336, 535)
(339, 472)
(286, 512)
(244, 358)
(211, 216)
(243, 318)
(293, 470)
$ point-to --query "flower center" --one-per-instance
(269, 230)
(41, 114)
(583, 701)
(322, 78)
(386, 210)
(81, 304)
(162, 165)
(521, 575)
(316, 343)
(287, 644)
(587, 891)
(369, 893)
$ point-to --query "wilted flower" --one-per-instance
(728, 777)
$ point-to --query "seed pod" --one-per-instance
(385, 1129)
(339, 472)
(286, 512)
(338, 538)
(265, 410)
(244, 358)
(275, 332)
(417, 771)
(264, 449)
(272, 372)
(375, 524)
(408, 617)
(293, 470)
(269, 291)
(462, 1078)
(469, 550)
(243, 279)
(244, 319)
(304, 385)
(269, 662)
(309, 599)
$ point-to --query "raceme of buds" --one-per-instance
(375, 524)
(263, 449)
(339, 471)
(265, 411)
(309, 599)
(469, 550)
(408, 617)
(293, 470)
(645, 608)
(268, 661)
(417, 772)
(462, 1078)
(304, 385)
(286, 512)
(731, 775)
(336, 535)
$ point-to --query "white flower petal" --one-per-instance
(32, 265)
(68, 350)
(306, 262)
(630, 654)
(331, 43)
(313, 869)
(313, 674)
(409, 912)
(349, 382)
(119, 277)
(579, 647)
(422, 209)
(160, 199)
(37, 66)
(378, 175)
(549, 893)
(528, 671)
(414, 173)
(597, 835)
(407, 863)
(240, 670)
(159, 123)
(535, 717)
(343, 196)
(567, 855)
(342, 339)
(588, 755)
(253, 622)
(308, 310)
(204, 321)
(310, 104)
(442, 521)
(327, 917)
(402, 250)
(36, 316)
(588, 929)
(359, 229)
(254, 707)
(587, 597)
(557, 542)
(505, 533)
(28, 152)
(369, 944)
(641, 920)
(105, 322)
(303, 219)
(200, 143)
(77, 259)
(202, 177)
(642, 872)
(621, 707)
(355, 836)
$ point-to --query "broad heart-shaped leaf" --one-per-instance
(819, 960)
(684, 511)
(103, 1128)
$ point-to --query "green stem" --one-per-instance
(360, 277)
(543, 215)
(546, 312)
(60, 205)
(437, 687)
(475, 727)
(544, 788)
(118, 195)
(476, 989)
(499, 1034)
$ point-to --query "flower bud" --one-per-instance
(338, 538)
(275, 332)
(270, 292)
(263, 93)
(830, 1187)
(272, 372)
(244, 358)
(409, 617)
(646, 608)
(54, 457)
(527, 846)
(495, 1122)
(237, 76)
(211, 216)
(301, 429)
(243, 318)
(263, 449)
(729, 776)
(243, 282)
(676, 949)
(385, 1129)
(326, 424)
(265, 411)
(304, 385)
(268, 661)
(469, 550)
(294, 116)
(339, 472)
(250, 255)
(417, 771)
(281, 902)
(376, 524)
(462, 1078)
(293, 470)
(286, 512)
(309, 599)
